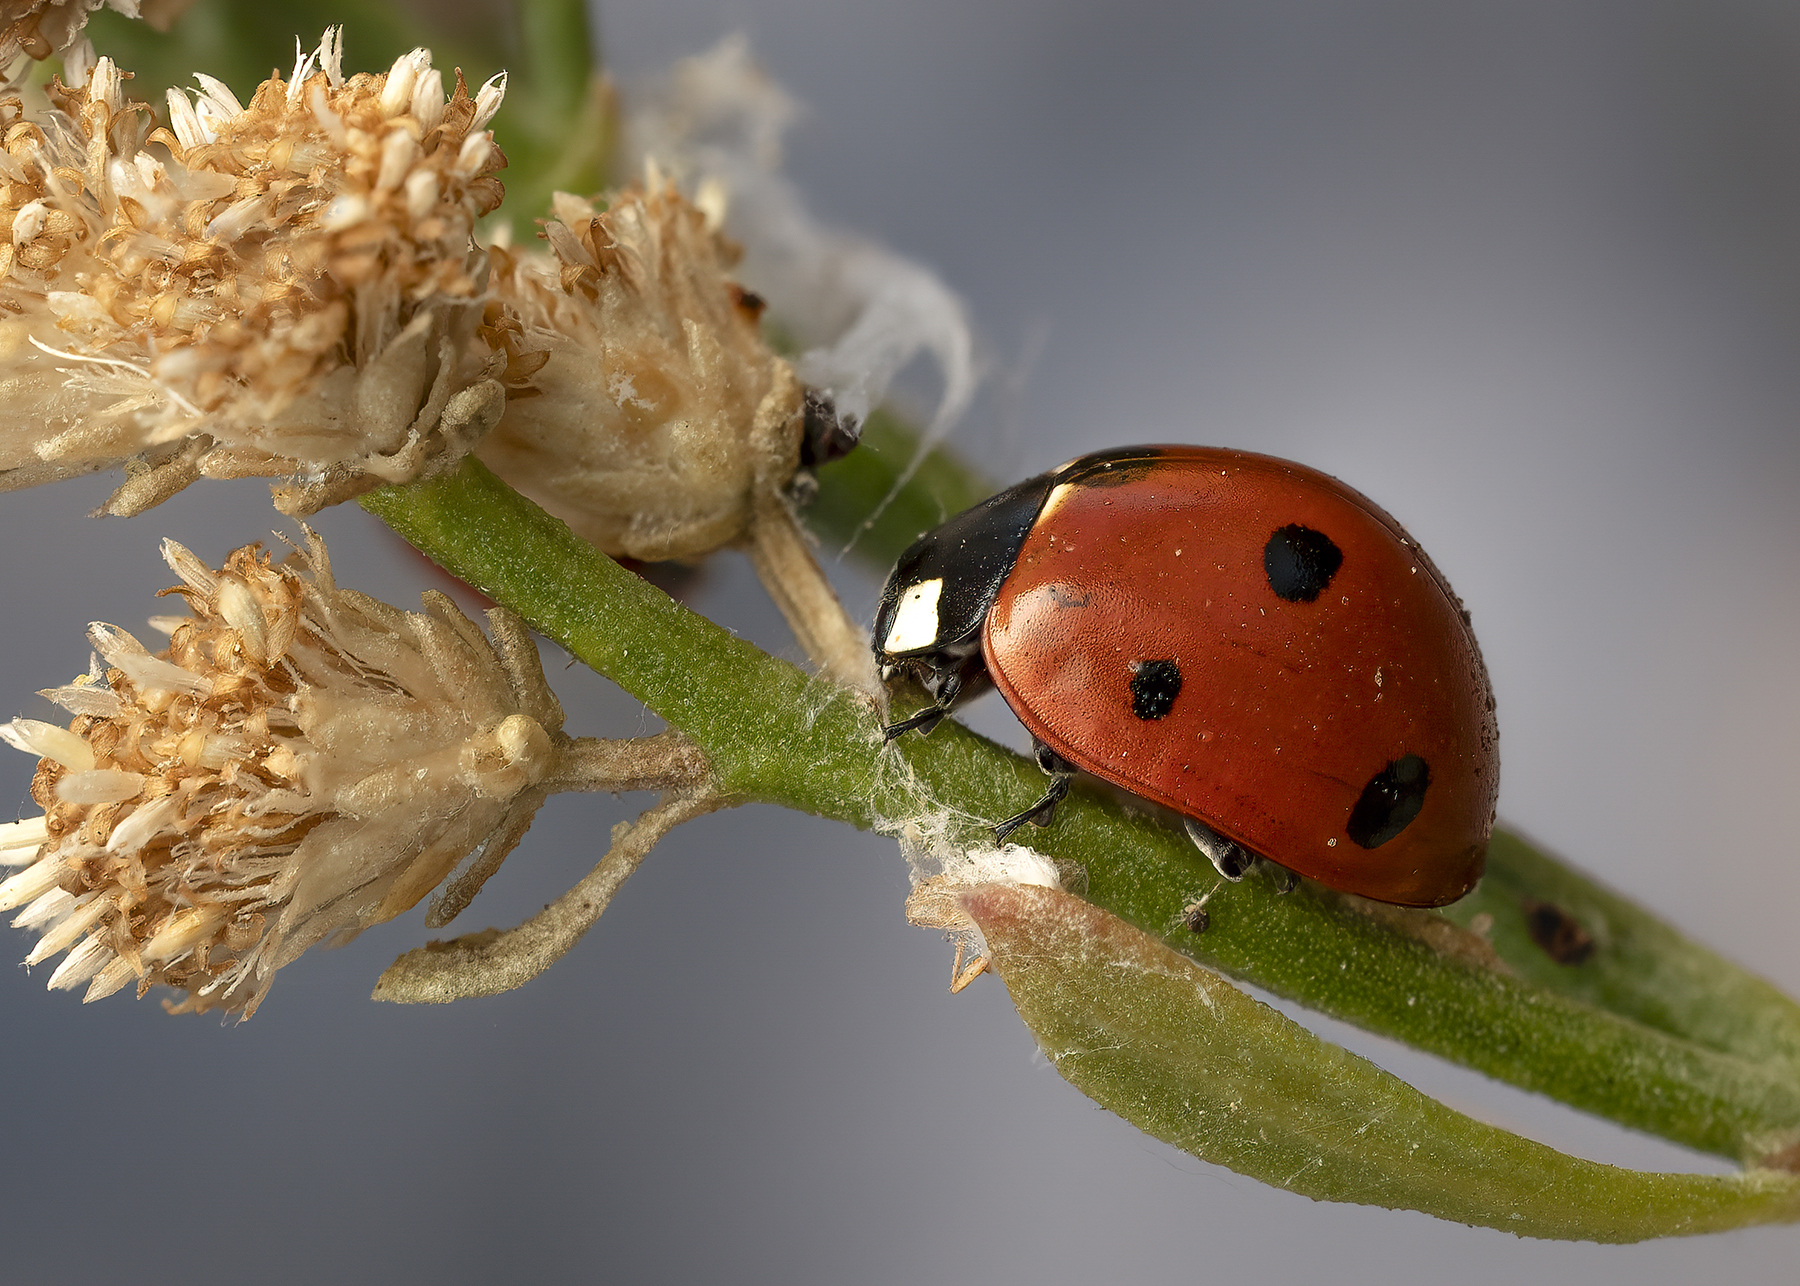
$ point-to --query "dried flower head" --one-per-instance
(284, 288)
(661, 417)
(38, 28)
(301, 762)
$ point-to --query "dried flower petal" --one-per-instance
(660, 417)
(287, 287)
(20, 841)
(36, 29)
(302, 762)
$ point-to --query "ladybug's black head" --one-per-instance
(939, 592)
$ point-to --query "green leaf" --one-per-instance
(1183, 1055)
(1416, 977)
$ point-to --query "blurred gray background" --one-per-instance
(1526, 273)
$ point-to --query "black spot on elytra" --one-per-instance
(1300, 562)
(1154, 687)
(1558, 933)
(1389, 802)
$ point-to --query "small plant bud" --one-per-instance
(661, 417)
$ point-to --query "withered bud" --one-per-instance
(300, 762)
(661, 417)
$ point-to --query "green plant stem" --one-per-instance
(558, 128)
(775, 735)
(242, 41)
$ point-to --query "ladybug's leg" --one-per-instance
(925, 720)
(1059, 771)
(945, 686)
(1232, 858)
(1039, 814)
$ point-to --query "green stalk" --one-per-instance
(776, 735)
(242, 41)
(557, 129)
(866, 482)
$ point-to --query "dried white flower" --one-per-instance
(661, 419)
(287, 287)
(301, 762)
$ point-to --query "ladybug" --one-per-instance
(1240, 639)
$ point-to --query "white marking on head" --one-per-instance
(915, 619)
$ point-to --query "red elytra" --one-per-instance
(1241, 639)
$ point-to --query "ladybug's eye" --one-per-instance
(915, 624)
